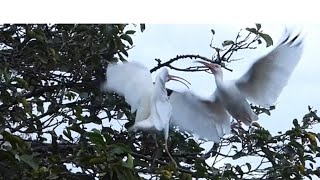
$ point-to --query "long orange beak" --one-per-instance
(177, 78)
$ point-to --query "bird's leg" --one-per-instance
(167, 150)
(154, 136)
(166, 135)
(158, 151)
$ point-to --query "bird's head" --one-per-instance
(214, 67)
(165, 77)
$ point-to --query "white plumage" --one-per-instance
(150, 101)
(261, 84)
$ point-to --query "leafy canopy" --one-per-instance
(50, 98)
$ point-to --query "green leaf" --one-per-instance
(22, 83)
(129, 162)
(213, 32)
(238, 155)
(185, 176)
(40, 35)
(52, 51)
(127, 38)
(130, 32)
(142, 27)
(228, 166)
(7, 155)
(267, 39)
(312, 138)
(42, 59)
(67, 133)
(201, 170)
(37, 34)
(138, 162)
(119, 174)
(81, 28)
(40, 106)
(226, 43)
(53, 176)
(119, 148)
(26, 105)
(295, 123)
(121, 57)
(76, 128)
(238, 168)
(249, 166)
(13, 140)
(123, 51)
(252, 30)
(30, 161)
(97, 160)
(165, 175)
(78, 110)
(120, 114)
(96, 138)
(129, 174)
(258, 26)
(296, 145)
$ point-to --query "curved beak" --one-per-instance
(208, 65)
(179, 79)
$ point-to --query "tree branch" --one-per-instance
(190, 69)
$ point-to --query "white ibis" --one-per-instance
(133, 81)
(261, 84)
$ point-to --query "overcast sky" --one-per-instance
(167, 41)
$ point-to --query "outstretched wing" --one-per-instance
(131, 80)
(206, 118)
(264, 81)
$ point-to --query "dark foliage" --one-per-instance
(50, 78)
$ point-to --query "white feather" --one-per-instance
(206, 118)
(266, 78)
(131, 80)
(164, 109)
(261, 84)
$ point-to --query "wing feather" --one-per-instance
(266, 78)
(131, 80)
(206, 118)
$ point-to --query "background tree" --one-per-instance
(50, 100)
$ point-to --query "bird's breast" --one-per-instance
(231, 98)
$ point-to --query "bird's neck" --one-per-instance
(159, 86)
(219, 79)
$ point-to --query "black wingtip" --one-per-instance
(295, 41)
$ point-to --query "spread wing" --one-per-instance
(131, 80)
(206, 118)
(264, 81)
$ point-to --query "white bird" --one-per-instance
(150, 101)
(261, 84)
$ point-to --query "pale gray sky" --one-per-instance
(167, 41)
